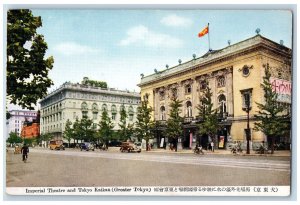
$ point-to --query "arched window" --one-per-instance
(173, 93)
(161, 95)
(221, 81)
(95, 107)
(113, 109)
(84, 106)
(130, 113)
(222, 103)
(203, 85)
(162, 113)
(122, 107)
(188, 89)
(113, 112)
(189, 109)
(104, 107)
(130, 110)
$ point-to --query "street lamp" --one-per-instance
(248, 134)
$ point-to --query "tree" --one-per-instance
(84, 129)
(76, 128)
(8, 115)
(271, 119)
(44, 137)
(126, 130)
(144, 124)
(209, 124)
(14, 138)
(106, 126)
(27, 70)
(69, 132)
(174, 123)
(95, 83)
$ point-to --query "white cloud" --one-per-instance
(176, 21)
(143, 36)
(71, 48)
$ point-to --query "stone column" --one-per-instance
(212, 85)
(229, 91)
(180, 91)
(156, 104)
(194, 98)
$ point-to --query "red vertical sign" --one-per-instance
(191, 139)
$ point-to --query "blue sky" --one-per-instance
(118, 45)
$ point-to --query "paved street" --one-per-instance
(112, 168)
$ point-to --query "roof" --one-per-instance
(214, 55)
(91, 89)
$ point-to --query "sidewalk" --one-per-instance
(279, 153)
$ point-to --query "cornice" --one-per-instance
(256, 43)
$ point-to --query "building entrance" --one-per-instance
(204, 141)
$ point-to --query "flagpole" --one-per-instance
(208, 38)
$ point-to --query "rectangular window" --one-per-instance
(188, 89)
(130, 117)
(74, 104)
(221, 81)
(95, 116)
(94, 125)
(113, 116)
(74, 115)
(246, 98)
(84, 114)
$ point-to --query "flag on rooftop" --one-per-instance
(203, 32)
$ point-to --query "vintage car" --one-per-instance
(56, 145)
(17, 149)
(86, 146)
(130, 147)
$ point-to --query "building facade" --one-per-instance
(72, 101)
(30, 130)
(17, 119)
(234, 75)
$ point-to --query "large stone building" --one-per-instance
(234, 74)
(71, 101)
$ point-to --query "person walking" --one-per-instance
(25, 151)
(212, 146)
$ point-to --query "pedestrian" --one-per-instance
(25, 151)
(212, 146)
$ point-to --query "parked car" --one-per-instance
(131, 147)
(86, 146)
(56, 145)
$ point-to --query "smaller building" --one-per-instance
(30, 130)
(17, 119)
(73, 101)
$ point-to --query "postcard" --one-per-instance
(148, 102)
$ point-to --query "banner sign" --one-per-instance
(283, 88)
(221, 142)
(162, 142)
(191, 139)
